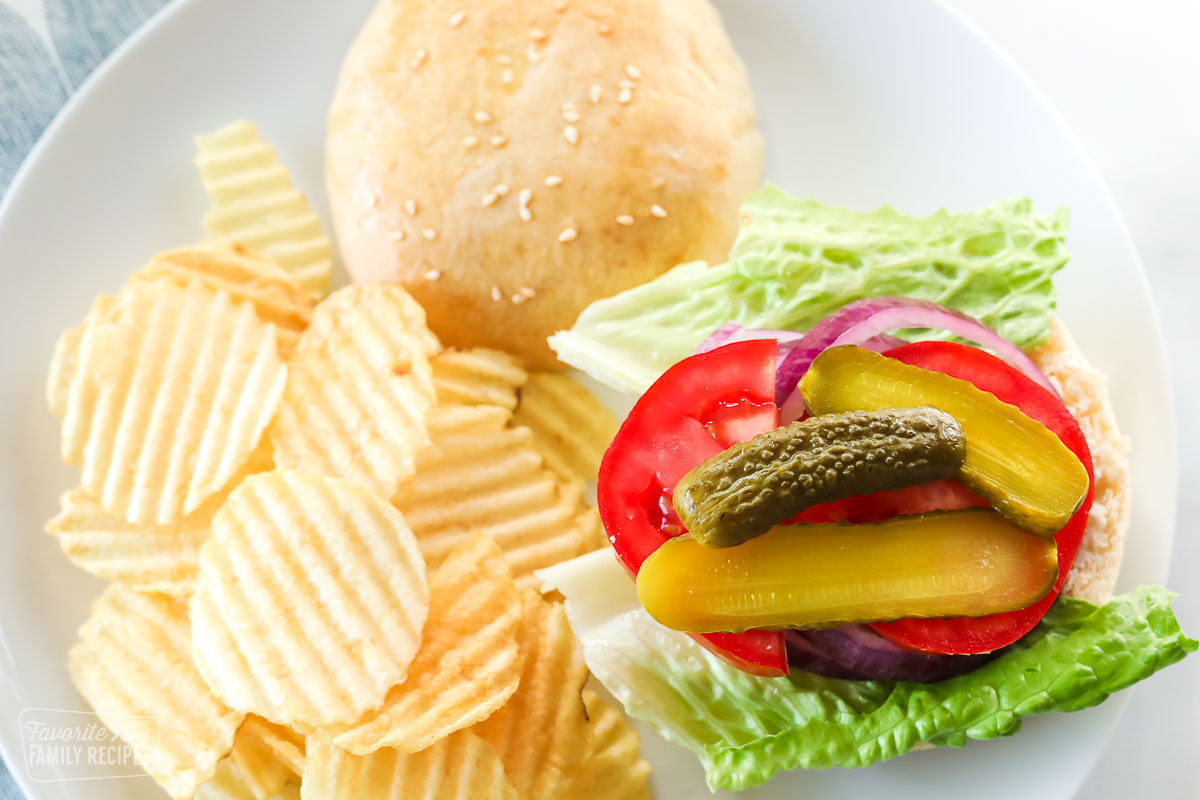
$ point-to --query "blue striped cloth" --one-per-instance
(47, 49)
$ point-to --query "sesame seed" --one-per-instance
(410, 207)
(506, 77)
(482, 117)
(570, 113)
(397, 236)
(553, 180)
(376, 199)
(523, 198)
(625, 83)
(537, 35)
(633, 71)
(568, 235)
(504, 58)
(658, 211)
(604, 29)
(658, 182)
(432, 275)
(430, 234)
(560, 5)
(419, 58)
(571, 134)
(596, 93)
(457, 18)
(489, 199)
(469, 142)
(625, 219)
(496, 294)
(499, 140)
(533, 54)
(501, 189)
(624, 96)
(517, 299)
(527, 292)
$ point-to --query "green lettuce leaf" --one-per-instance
(744, 728)
(796, 261)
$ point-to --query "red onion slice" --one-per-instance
(732, 332)
(793, 408)
(803, 654)
(791, 368)
(720, 337)
(857, 650)
(922, 314)
(789, 344)
(864, 322)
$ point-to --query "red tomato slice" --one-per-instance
(695, 410)
(984, 634)
(944, 495)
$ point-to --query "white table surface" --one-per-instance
(1126, 77)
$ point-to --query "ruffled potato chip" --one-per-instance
(255, 763)
(613, 769)
(228, 783)
(478, 475)
(284, 743)
(571, 427)
(592, 532)
(309, 602)
(171, 392)
(478, 377)
(148, 558)
(126, 651)
(277, 296)
(359, 389)
(255, 205)
(66, 356)
(461, 766)
(542, 732)
(469, 663)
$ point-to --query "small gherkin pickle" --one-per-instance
(746, 490)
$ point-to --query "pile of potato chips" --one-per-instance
(321, 528)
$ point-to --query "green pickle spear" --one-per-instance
(967, 563)
(746, 490)
(1014, 462)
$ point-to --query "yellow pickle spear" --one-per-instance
(966, 563)
(1013, 461)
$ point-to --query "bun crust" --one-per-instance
(413, 169)
(1084, 391)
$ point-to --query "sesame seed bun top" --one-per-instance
(509, 163)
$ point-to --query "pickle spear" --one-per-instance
(966, 563)
(1013, 461)
(746, 490)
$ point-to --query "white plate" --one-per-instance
(861, 103)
